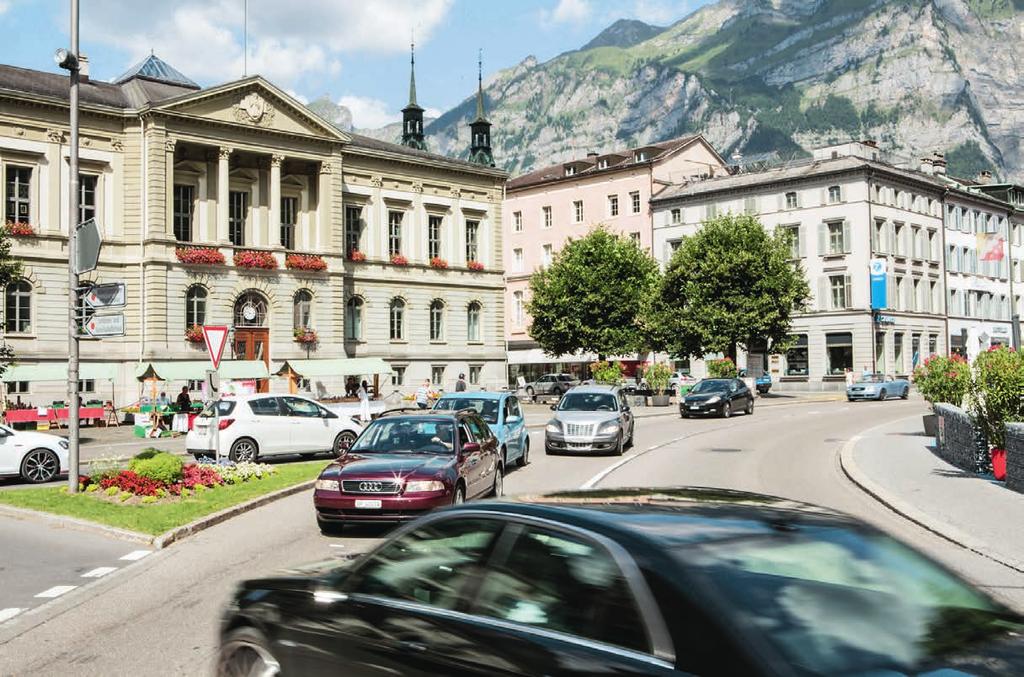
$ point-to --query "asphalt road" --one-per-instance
(159, 616)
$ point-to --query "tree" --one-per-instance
(10, 270)
(594, 297)
(730, 284)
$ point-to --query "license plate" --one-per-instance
(694, 407)
(368, 503)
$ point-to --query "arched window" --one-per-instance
(354, 319)
(437, 320)
(251, 310)
(18, 304)
(397, 319)
(302, 307)
(195, 306)
(473, 322)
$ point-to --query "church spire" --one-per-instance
(412, 73)
(480, 128)
(412, 114)
(480, 86)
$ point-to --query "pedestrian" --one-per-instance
(866, 373)
(364, 403)
(351, 387)
(849, 377)
(163, 400)
(460, 385)
(184, 402)
(423, 395)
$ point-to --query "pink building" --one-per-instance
(544, 208)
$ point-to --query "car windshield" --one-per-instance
(872, 378)
(224, 408)
(835, 600)
(488, 409)
(713, 386)
(587, 402)
(407, 435)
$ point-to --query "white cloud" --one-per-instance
(203, 38)
(298, 97)
(660, 12)
(4, 6)
(369, 113)
(567, 11)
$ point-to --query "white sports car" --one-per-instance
(35, 457)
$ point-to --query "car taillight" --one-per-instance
(224, 423)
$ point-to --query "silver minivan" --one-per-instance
(590, 419)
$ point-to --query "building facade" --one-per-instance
(545, 208)
(236, 205)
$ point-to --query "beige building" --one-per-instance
(236, 205)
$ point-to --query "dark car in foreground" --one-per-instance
(719, 396)
(623, 582)
(406, 463)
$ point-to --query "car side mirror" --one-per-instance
(554, 407)
(470, 447)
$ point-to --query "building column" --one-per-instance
(223, 184)
(169, 145)
(274, 220)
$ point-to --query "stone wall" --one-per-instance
(958, 440)
(1015, 456)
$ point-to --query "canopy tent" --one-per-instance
(195, 370)
(58, 371)
(342, 366)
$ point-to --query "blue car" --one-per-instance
(878, 387)
(503, 416)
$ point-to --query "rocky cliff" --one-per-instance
(773, 75)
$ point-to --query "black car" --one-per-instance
(721, 396)
(623, 582)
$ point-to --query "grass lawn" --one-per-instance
(157, 518)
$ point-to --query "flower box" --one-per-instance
(399, 260)
(305, 336)
(439, 263)
(255, 259)
(194, 334)
(206, 256)
(475, 265)
(356, 255)
(19, 229)
(310, 262)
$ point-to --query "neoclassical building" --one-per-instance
(237, 205)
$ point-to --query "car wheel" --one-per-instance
(503, 455)
(460, 495)
(750, 407)
(906, 394)
(881, 395)
(557, 393)
(849, 399)
(523, 460)
(531, 394)
(727, 410)
(683, 414)
(343, 441)
(632, 430)
(498, 490)
(244, 449)
(330, 528)
(620, 447)
(246, 651)
(39, 466)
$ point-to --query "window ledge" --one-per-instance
(794, 379)
(435, 342)
(832, 257)
(398, 341)
(16, 335)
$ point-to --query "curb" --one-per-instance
(67, 522)
(849, 466)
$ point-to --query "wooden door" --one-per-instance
(254, 344)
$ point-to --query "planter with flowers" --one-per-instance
(19, 229)
(996, 399)
(942, 379)
(722, 368)
(255, 259)
(305, 336)
(399, 260)
(357, 256)
(475, 266)
(194, 334)
(439, 263)
(309, 262)
(199, 256)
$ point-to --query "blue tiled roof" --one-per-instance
(154, 68)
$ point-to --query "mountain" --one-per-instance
(773, 75)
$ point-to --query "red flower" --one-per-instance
(305, 336)
(399, 260)
(207, 256)
(255, 259)
(438, 262)
(126, 480)
(19, 229)
(356, 255)
(475, 265)
(312, 262)
(194, 334)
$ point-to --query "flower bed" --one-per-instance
(255, 259)
(475, 265)
(399, 260)
(19, 229)
(356, 255)
(310, 262)
(439, 263)
(194, 334)
(305, 336)
(206, 256)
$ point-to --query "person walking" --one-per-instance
(364, 403)
(423, 395)
(460, 385)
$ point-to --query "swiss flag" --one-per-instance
(215, 338)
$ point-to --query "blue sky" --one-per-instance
(355, 51)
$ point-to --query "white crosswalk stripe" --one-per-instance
(9, 613)
(56, 591)
(136, 555)
(98, 572)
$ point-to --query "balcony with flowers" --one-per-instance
(313, 263)
(356, 256)
(438, 263)
(475, 266)
(199, 256)
(399, 260)
(19, 229)
(255, 260)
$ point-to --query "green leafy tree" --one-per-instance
(10, 270)
(730, 284)
(594, 297)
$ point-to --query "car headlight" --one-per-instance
(423, 486)
(62, 443)
(713, 399)
(608, 427)
(553, 427)
(327, 485)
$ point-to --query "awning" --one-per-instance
(58, 371)
(342, 366)
(195, 370)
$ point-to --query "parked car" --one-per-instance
(407, 462)
(681, 383)
(35, 457)
(629, 582)
(501, 412)
(878, 387)
(593, 418)
(250, 427)
(550, 385)
(721, 396)
(763, 383)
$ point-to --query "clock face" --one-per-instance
(249, 312)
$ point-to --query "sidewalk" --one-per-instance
(895, 464)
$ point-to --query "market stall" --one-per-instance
(342, 367)
(47, 415)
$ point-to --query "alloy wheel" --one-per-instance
(245, 659)
(727, 410)
(460, 496)
(499, 483)
(243, 450)
(525, 458)
(39, 466)
(881, 395)
(343, 441)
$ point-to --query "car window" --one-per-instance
(587, 402)
(481, 432)
(407, 435)
(265, 406)
(513, 407)
(432, 565)
(465, 435)
(224, 408)
(710, 386)
(560, 582)
(488, 409)
(296, 406)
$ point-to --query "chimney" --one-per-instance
(926, 166)
(939, 163)
(984, 177)
(591, 154)
(83, 68)
(870, 142)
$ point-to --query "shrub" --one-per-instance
(148, 499)
(722, 368)
(607, 372)
(91, 488)
(658, 375)
(195, 476)
(160, 466)
(124, 496)
(129, 481)
(943, 379)
(111, 490)
(996, 392)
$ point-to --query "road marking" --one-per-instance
(9, 613)
(99, 571)
(56, 591)
(811, 413)
(136, 555)
(335, 545)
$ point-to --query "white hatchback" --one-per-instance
(255, 426)
(35, 457)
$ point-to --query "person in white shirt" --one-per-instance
(364, 403)
(423, 395)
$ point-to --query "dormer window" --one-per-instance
(602, 164)
(640, 156)
(570, 171)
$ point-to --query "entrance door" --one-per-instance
(254, 344)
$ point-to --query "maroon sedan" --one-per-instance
(404, 464)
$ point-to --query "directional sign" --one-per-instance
(106, 295)
(216, 338)
(100, 326)
(87, 246)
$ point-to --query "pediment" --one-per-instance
(256, 103)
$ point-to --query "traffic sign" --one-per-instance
(100, 326)
(87, 246)
(215, 338)
(110, 295)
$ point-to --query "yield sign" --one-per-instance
(215, 338)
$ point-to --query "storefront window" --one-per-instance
(933, 344)
(796, 357)
(880, 352)
(915, 351)
(839, 353)
(897, 364)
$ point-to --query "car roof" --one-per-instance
(595, 388)
(476, 395)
